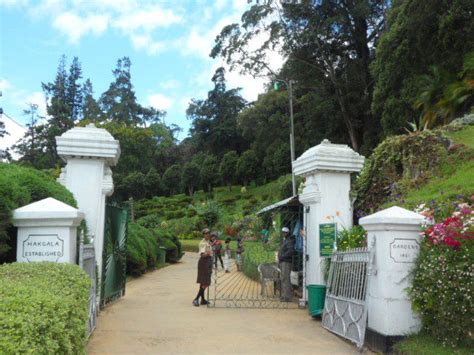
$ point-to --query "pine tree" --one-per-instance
(73, 90)
(119, 102)
(90, 108)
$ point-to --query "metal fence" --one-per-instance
(345, 308)
(88, 264)
(234, 289)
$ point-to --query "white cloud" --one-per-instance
(146, 42)
(74, 26)
(147, 19)
(8, 3)
(170, 84)
(4, 84)
(160, 101)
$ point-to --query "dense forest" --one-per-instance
(362, 71)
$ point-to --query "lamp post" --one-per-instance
(289, 84)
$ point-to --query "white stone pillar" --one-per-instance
(89, 152)
(395, 235)
(326, 197)
(47, 231)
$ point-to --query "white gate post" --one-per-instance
(326, 198)
(89, 152)
(47, 231)
(395, 235)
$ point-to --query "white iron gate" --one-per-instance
(345, 308)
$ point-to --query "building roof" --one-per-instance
(292, 201)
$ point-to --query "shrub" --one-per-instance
(253, 255)
(443, 286)
(172, 244)
(396, 164)
(149, 221)
(43, 308)
(20, 186)
(190, 236)
(142, 250)
(208, 212)
(354, 237)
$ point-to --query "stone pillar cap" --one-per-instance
(392, 215)
(88, 142)
(47, 212)
(328, 157)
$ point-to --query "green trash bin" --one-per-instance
(316, 295)
(161, 255)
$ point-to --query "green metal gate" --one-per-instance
(114, 259)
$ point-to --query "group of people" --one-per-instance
(210, 253)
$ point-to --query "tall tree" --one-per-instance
(325, 42)
(171, 180)
(190, 177)
(419, 35)
(227, 168)
(30, 147)
(74, 91)
(247, 166)
(119, 102)
(209, 172)
(90, 107)
(214, 120)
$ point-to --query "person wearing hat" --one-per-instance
(285, 258)
(204, 269)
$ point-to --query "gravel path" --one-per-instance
(156, 317)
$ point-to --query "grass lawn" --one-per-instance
(422, 344)
(454, 177)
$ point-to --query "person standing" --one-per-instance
(204, 269)
(285, 258)
(238, 254)
(227, 255)
(217, 249)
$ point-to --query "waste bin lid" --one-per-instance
(315, 286)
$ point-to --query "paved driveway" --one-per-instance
(156, 317)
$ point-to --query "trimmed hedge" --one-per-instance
(142, 250)
(20, 186)
(43, 308)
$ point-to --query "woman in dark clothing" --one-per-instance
(204, 271)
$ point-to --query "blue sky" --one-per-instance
(167, 41)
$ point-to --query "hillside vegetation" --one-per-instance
(431, 167)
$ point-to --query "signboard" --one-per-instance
(43, 247)
(327, 238)
(404, 250)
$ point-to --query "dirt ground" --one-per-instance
(156, 317)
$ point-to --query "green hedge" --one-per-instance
(43, 308)
(173, 246)
(142, 250)
(253, 255)
(20, 186)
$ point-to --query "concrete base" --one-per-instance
(380, 343)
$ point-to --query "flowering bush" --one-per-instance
(443, 284)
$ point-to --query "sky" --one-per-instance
(168, 43)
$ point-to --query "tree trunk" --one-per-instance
(191, 190)
(229, 185)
